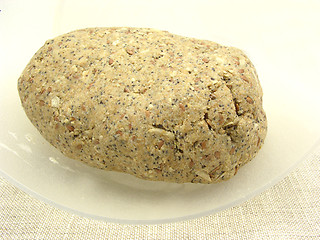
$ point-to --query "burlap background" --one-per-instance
(289, 210)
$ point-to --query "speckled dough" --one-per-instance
(146, 102)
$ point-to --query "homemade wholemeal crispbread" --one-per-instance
(145, 102)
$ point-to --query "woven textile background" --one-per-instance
(289, 210)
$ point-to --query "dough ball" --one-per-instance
(146, 102)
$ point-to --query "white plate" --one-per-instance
(287, 64)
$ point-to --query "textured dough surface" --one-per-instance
(146, 102)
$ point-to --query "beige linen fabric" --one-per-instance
(289, 210)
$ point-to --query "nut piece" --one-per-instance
(205, 59)
(130, 51)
